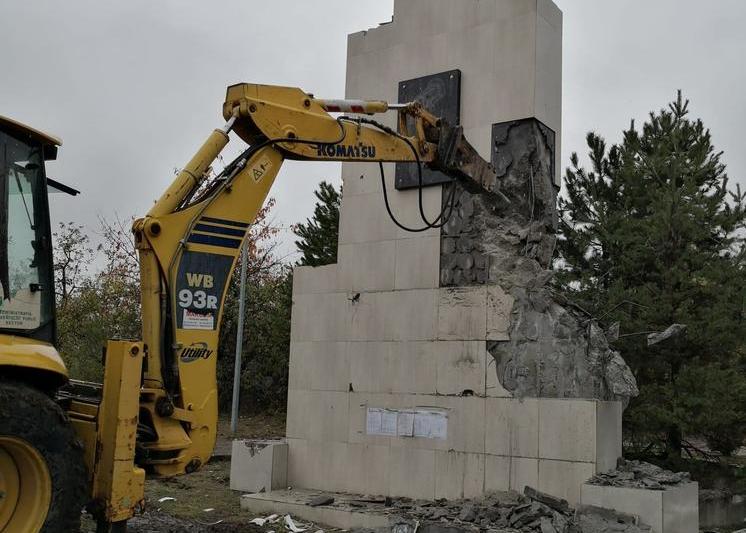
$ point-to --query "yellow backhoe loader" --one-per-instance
(66, 444)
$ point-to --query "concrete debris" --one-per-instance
(290, 525)
(639, 474)
(508, 512)
(318, 501)
(590, 519)
(554, 350)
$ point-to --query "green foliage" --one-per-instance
(266, 342)
(266, 333)
(650, 237)
(94, 308)
(319, 235)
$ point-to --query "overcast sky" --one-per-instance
(133, 87)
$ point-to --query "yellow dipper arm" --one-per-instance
(191, 238)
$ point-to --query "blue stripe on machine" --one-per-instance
(220, 229)
(225, 222)
(225, 242)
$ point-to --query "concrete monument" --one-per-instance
(438, 364)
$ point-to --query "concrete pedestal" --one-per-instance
(393, 389)
(259, 466)
(674, 510)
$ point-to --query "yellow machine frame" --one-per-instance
(158, 406)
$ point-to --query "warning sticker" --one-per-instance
(197, 320)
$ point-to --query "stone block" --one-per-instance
(499, 310)
(412, 473)
(608, 435)
(366, 316)
(314, 280)
(258, 466)
(496, 473)
(675, 510)
(317, 465)
(320, 366)
(363, 178)
(549, 11)
(462, 313)
(394, 316)
(512, 427)
(564, 478)
(319, 416)
(450, 468)
(363, 218)
(367, 469)
(369, 366)
(417, 263)
(567, 429)
(460, 366)
(410, 368)
(474, 472)
(300, 469)
(410, 315)
(458, 474)
(392, 367)
(523, 472)
(368, 266)
(320, 317)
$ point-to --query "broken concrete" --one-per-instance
(640, 475)
(553, 350)
(498, 512)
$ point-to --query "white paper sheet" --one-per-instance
(405, 424)
(430, 424)
(388, 422)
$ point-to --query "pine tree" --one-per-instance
(652, 236)
(319, 235)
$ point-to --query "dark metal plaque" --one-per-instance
(441, 94)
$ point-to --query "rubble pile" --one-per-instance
(640, 475)
(508, 512)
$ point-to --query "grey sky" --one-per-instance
(134, 87)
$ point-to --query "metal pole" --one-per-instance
(239, 338)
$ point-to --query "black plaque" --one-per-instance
(441, 94)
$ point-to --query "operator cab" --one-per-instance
(26, 268)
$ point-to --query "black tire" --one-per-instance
(29, 414)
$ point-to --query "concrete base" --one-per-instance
(675, 510)
(258, 465)
(341, 514)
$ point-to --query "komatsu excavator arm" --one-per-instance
(191, 238)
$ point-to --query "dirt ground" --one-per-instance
(203, 500)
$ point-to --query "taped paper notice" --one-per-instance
(195, 320)
(425, 423)
(381, 422)
(373, 421)
(405, 424)
(388, 422)
(430, 424)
